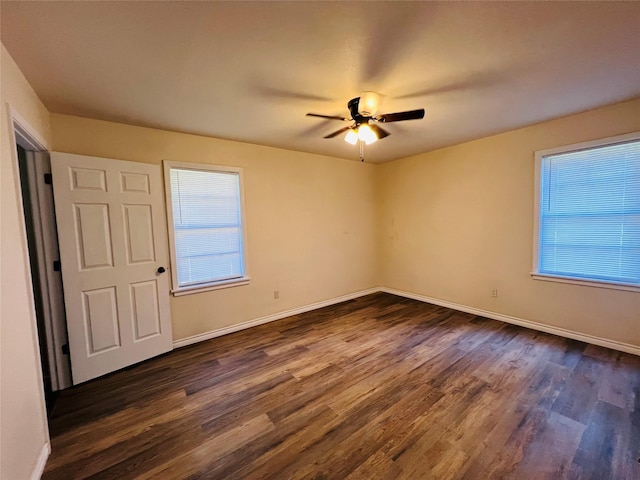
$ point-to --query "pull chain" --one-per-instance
(361, 150)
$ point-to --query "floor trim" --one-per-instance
(201, 337)
(38, 470)
(561, 332)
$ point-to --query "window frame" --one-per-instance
(539, 155)
(213, 285)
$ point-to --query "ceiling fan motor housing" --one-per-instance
(357, 117)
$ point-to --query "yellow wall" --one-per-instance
(457, 222)
(23, 427)
(311, 220)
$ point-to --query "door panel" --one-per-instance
(101, 320)
(93, 235)
(88, 179)
(144, 303)
(139, 233)
(113, 238)
(134, 182)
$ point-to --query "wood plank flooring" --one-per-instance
(379, 387)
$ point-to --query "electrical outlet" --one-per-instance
(494, 292)
(276, 294)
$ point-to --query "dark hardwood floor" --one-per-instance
(379, 387)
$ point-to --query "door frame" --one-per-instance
(53, 315)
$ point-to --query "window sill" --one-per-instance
(206, 287)
(630, 287)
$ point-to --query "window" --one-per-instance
(205, 210)
(588, 213)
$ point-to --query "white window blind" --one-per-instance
(207, 223)
(590, 213)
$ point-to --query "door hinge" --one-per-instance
(48, 178)
(56, 265)
(65, 349)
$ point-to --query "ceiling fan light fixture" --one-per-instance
(369, 102)
(351, 137)
(366, 134)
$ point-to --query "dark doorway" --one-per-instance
(50, 395)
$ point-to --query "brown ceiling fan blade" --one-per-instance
(337, 132)
(401, 116)
(330, 117)
(380, 132)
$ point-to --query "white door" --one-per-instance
(113, 249)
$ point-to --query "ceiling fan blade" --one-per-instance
(400, 116)
(330, 117)
(380, 132)
(337, 132)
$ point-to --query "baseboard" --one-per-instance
(201, 337)
(561, 332)
(42, 461)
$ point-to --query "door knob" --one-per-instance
(161, 270)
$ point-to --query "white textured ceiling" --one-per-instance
(251, 71)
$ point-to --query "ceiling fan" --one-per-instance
(364, 121)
